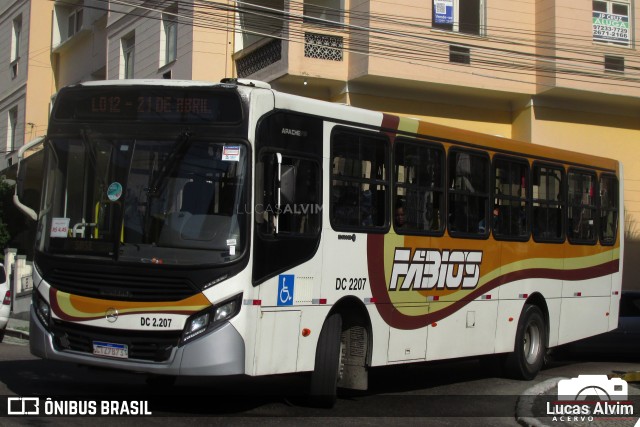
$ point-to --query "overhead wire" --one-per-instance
(396, 44)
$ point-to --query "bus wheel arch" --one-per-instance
(531, 341)
(343, 352)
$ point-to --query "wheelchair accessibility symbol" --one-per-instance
(285, 289)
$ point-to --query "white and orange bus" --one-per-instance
(199, 229)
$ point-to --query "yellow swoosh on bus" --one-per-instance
(74, 307)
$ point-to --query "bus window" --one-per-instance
(510, 211)
(359, 181)
(418, 172)
(548, 206)
(608, 209)
(300, 206)
(468, 195)
(581, 212)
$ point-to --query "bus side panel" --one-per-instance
(616, 278)
(407, 345)
(289, 305)
(277, 342)
(582, 317)
(469, 331)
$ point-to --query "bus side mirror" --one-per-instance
(21, 193)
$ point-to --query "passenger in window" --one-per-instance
(496, 218)
(399, 217)
(366, 208)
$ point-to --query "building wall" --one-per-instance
(211, 48)
(40, 79)
(33, 66)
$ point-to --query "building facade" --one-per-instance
(552, 72)
(26, 78)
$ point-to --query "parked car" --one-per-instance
(5, 302)
(623, 341)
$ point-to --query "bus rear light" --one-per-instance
(370, 300)
(523, 296)
(485, 297)
(433, 298)
(319, 301)
(7, 298)
(252, 302)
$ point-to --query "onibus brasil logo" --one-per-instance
(589, 396)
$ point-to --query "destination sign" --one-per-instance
(141, 104)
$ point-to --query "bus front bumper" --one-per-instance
(220, 352)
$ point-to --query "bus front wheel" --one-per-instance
(324, 379)
(530, 346)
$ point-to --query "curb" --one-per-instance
(524, 416)
(10, 332)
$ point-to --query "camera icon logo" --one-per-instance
(594, 387)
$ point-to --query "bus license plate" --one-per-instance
(109, 349)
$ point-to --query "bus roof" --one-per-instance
(402, 126)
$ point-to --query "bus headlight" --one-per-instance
(42, 309)
(210, 318)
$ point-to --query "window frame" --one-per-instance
(384, 139)
(615, 210)
(454, 26)
(313, 6)
(263, 186)
(581, 206)
(562, 202)
(443, 178)
(128, 46)
(509, 198)
(609, 6)
(169, 32)
(452, 191)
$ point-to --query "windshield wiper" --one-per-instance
(173, 159)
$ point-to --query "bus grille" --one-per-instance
(142, 345)
(121, 287)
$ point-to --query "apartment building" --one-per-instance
(552, 72)
(169, 40)
(26, 82)
(562, 73)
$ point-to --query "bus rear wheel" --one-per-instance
(530, 346)
(324, 379)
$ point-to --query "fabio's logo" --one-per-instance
(432, 269)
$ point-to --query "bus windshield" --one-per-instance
(163, 201)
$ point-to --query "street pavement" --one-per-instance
(534, 397)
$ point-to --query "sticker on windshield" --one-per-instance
(231, 153)
(59, 227)
(114, 192)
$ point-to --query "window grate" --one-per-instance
(260, 58)
(322, 46)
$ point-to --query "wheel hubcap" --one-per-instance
(531, 343)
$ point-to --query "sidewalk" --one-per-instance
(18, 328)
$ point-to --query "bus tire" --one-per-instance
(324, 378)
(529, 350)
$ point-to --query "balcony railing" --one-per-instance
(322, 46)
(260, 58)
